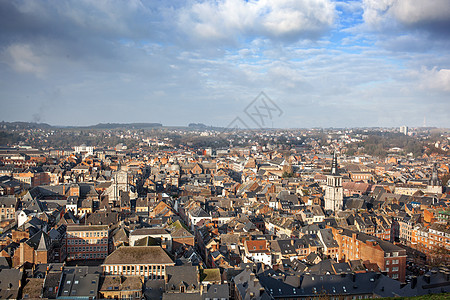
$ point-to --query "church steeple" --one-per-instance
(334, 165)
(434, 176)
(334, 192)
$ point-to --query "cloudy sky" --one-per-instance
(323, 63)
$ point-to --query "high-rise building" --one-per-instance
(404, 130)
(334, 192)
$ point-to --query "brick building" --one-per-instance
(356, 245)
(86, 242)
(36, 250)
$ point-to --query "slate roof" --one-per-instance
(40, 241)
(178, 276)
(216, 291)
(9, 283)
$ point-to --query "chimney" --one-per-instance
(414, 282)
(426, 277)
(353, 277)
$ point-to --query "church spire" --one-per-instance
(434, 176)
(334, 165)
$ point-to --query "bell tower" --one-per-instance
(334, 192)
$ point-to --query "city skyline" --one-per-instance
(324, 63)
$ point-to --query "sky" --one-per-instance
(319, 63)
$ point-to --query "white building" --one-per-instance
(85, 150)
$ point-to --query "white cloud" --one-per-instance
(228, 20)
(435, 79)
(416, 13)
(22, 59)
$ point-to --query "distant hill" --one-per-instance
(31, 125)
(23, 125)
(125, 125)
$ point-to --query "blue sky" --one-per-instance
(324, 63)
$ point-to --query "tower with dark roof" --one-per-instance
(334, 192)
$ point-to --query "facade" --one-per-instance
(334, 192)
(86, 242)
(149, 262)
(8, 207)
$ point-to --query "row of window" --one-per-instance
(394, 269)
(87, 248)
(88, 234)
(82, 242)
(7, 217)
(87, 255)
(135, 270)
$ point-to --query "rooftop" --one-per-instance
(138, 255)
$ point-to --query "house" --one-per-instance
(182, 280)
(196, 215)
(257, 251)
(7, 207)
(120, 287)
(160, 234)
(180, 236)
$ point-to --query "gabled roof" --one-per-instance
(40, 241)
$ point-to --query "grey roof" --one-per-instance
(327, 238)
(216, 291)
(9, 283)
(178, 276)
(183, 296)
(40, 241)
(149, 232)
(8, 201)
(78, 282)
(247, 284)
